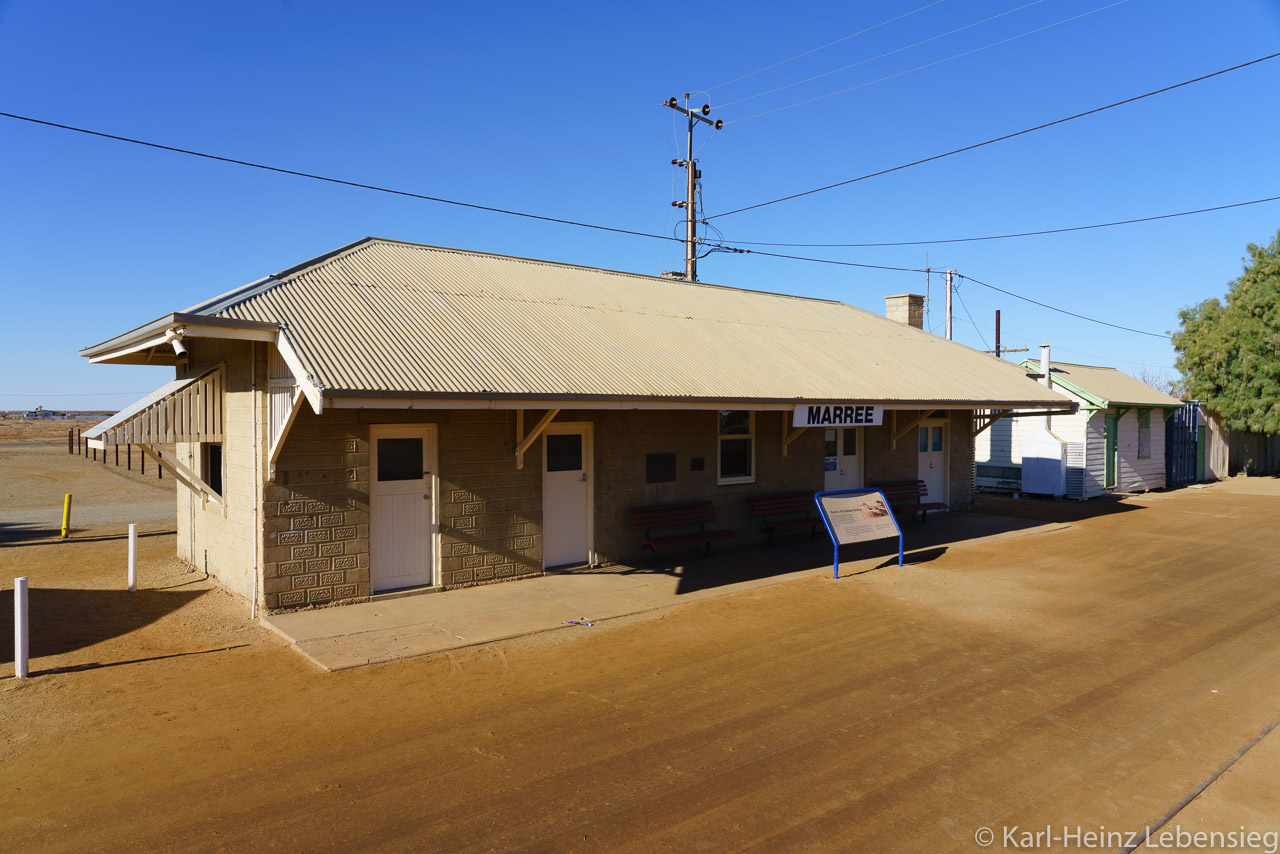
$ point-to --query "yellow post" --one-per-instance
(66, 515)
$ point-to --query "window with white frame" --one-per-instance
(736, 446)
(1144, 434)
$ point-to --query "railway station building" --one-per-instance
(393, 416)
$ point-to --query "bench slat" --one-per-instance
(684, 515)
(908, 495)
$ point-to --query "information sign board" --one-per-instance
(855, 516)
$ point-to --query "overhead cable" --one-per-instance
(1063, 310)
(714, 245)
(875, 58)
(960, 297)
(996, 139)
(730, 248)
(1007, 236)
(330, 180)
(825, 46)
(926, 65)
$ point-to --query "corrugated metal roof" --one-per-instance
(1111, 385)
(385, 317)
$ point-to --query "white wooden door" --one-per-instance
(843, 461)
(932, 442)
(566, 495)
(401, 506)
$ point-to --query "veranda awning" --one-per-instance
(189, 409)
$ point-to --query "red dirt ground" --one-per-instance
(1091, 676)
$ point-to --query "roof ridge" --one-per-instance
(342, 251)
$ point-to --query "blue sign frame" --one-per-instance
(835, 543)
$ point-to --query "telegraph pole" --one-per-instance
(950, 273)
(692, 174)
(999, 351)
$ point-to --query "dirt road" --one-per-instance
(1091, 677)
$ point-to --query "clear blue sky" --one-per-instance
(555, 109)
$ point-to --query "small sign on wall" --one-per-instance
(837, 415)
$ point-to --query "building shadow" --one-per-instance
(753, 561)
(1053, 509)
(63, 620)
(12, 535)
(97, 665)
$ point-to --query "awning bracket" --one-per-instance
(910, 425)
(277, 444)
(526, 442)
(789, 436)
(182, 474)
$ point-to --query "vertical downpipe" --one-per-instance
(257, 480)
(1044, 378)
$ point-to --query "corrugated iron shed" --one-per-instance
(1113, 386)
(385, 318)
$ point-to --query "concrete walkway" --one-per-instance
(395, 626)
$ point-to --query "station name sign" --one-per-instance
(837, 416)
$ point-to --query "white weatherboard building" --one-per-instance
(1114, 442)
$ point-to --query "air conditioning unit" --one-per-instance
(1044, 464)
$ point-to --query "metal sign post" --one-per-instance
(855, 516)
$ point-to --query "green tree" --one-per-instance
(1230, 353)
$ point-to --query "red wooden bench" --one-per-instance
(690, 514)
(785, 504)
(909, 495)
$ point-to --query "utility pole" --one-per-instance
(928, 280)
(692, 174)
(999, 351)
(950, 273)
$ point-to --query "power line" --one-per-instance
(874, 58)
(330, 180)
(1058, 349)
(970, 316)
(1068, 350)
(1063, 310)
(725, 247)
(825, 46)
(1018, 234)
(729, 248)
(927, 64)
(996, 139)
(714, 246)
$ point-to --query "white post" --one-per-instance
(133, 557)
(20, 627)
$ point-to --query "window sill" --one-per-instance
(730, 481)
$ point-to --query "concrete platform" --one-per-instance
(400, 626)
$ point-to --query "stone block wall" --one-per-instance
(624, 437)
(316, 514)
(961, 458)
(887, 463)
(490, 511)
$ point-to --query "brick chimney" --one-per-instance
(905, 308)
